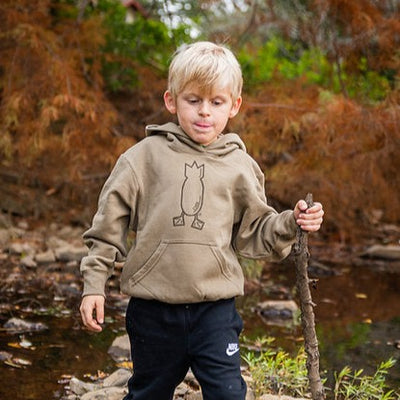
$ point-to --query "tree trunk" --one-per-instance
(307, 311)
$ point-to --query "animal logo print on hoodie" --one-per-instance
(192, 194)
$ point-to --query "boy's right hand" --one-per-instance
(92, 304)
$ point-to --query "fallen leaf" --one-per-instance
(361, 296)
(10, 363)
(17, 362)
(125, 364)
(14, 345)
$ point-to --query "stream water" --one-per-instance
(357, 320)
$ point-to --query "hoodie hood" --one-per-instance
(225, 143)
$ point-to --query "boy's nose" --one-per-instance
(204, 108)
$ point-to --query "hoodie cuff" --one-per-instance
(94, 283)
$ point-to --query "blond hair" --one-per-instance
(206, 64)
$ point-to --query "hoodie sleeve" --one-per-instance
(262, 232)
(107, 237)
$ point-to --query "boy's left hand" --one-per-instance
(309, 219)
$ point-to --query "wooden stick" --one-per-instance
(307, 311)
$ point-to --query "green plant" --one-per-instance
(129, 43)
(367, 84)
(274, 371)
(351, 385)
(289, 60)
(252, 269)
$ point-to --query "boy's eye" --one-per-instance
(196, 100)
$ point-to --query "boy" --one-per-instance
(195, 199)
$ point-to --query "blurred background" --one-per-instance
(79, 81)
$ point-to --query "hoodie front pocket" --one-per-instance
(178, 265)
(149, 264)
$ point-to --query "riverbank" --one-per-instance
(40, 282)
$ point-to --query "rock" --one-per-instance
(111, 393)
(21, 248)
(114, 387)
(5, 236)
(318, 269)
(5, 221)
(120, 349)
(79, 387)
(5, 355)
(277, 311)
(68, 290)
(46, 257)
(54, 242)
(72, 264)
(67, 232)
(23, 225)
(389, 252)
(70, 253)
(20, 325)
(118, 378)
(28, 262)
(17, 232)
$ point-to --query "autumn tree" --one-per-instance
(52, 98)
(326, 105)
(59, 61)
(321, 105)
(80, 80)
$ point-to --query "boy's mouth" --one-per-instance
(203, 125)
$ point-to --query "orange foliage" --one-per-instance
(344, 30)
(345, 153)
(373, 29)
(53, 101)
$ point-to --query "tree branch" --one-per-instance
(302, 255)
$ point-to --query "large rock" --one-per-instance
(114, 387)
(389, 252)
(20, 325)
(118, 378)
(70, 253)
(28, 262)
(120, 349)
(45, 257)
(5, 236)
(110, 393)
(277, 312)
(79, 387)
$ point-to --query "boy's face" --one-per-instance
(202, 115)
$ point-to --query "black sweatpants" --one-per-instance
(168, 339)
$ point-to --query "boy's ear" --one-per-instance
(235, 107)
(169, 102)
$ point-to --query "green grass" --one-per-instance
(274, 371)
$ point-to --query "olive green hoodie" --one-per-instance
(194, 208)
